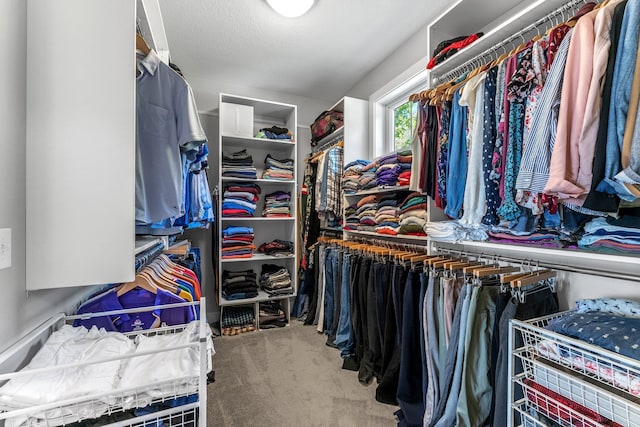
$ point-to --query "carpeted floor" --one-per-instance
(288, 377)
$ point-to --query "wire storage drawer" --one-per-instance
(571, 381)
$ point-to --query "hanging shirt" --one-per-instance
(135, 298)
(474, 194)
(620, 93)
(570, 154)
(536, 156)
(166, 123)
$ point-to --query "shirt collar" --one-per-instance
(150, 62)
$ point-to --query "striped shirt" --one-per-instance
(536, 158)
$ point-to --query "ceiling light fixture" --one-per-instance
(291, 8)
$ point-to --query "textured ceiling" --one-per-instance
(319, 55)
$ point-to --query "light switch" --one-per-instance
(5, 248)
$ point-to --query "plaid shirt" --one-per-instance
(331, 198)
(238, 316)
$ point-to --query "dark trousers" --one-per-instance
(388, 385)
(409, 394)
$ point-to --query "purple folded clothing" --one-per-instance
(389, 160)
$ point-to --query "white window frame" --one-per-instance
(386, 99)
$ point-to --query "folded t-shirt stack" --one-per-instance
(237, 242)
(239, 199)
(366, 212)
(351, 176)
(277, 248)
(277, 205)
(238, 165)
(352, 220)
(404, 161)
(277, 169)
(275, 132)
(387, 214)
(368, 178)
(275, 280)
(611, 235)
(239, 284)
(413, 215)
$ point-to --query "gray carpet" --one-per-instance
(288, 377)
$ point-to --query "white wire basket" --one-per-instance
(170, 398)
(599, 380)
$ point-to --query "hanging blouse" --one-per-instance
(536, 156)
(430, 152)
(517, 91)
(489, 136)
(474, 194)
(570, 155)
(443, 154)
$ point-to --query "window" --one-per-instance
(405, 121)
(393, 116)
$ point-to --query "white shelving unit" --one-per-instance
(265, 114)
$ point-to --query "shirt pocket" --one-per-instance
(157, 121)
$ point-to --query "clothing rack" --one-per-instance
(337, 140)
(391, 245)
(480, 60)
(145, 258)
(549, 265)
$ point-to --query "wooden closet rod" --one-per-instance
(549, 265)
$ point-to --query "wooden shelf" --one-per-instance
(262, 296)
(379, 190)
(258, 258)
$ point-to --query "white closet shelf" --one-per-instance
(144, 244)
(399, 237)
(268, 181)
(530, 13)
(250, 142)
(379, 190)
(262, 296)
(255, 218)
(258, 257)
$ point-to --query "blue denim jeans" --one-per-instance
(329, 290)
(344, 334)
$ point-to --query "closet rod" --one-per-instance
(328, 144)
(391, 244)
(550, 265)
(459, 70)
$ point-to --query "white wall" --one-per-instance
(406, 55)
(206, 93)
(19, 311)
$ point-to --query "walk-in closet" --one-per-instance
(320, 213)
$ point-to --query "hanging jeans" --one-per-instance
(329, 290)
(410, 396)
(344, 333)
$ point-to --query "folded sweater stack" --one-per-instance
(387, 214)
(366, 211)
(239, 284)
(351, 176)
(277, 205)
(238, 165)
(237, 242)
(413, 215)
(275, 280)
(239, 199)
(368, 176)
(351, 218)
(277, 169)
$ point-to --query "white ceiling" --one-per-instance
(320, 55)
